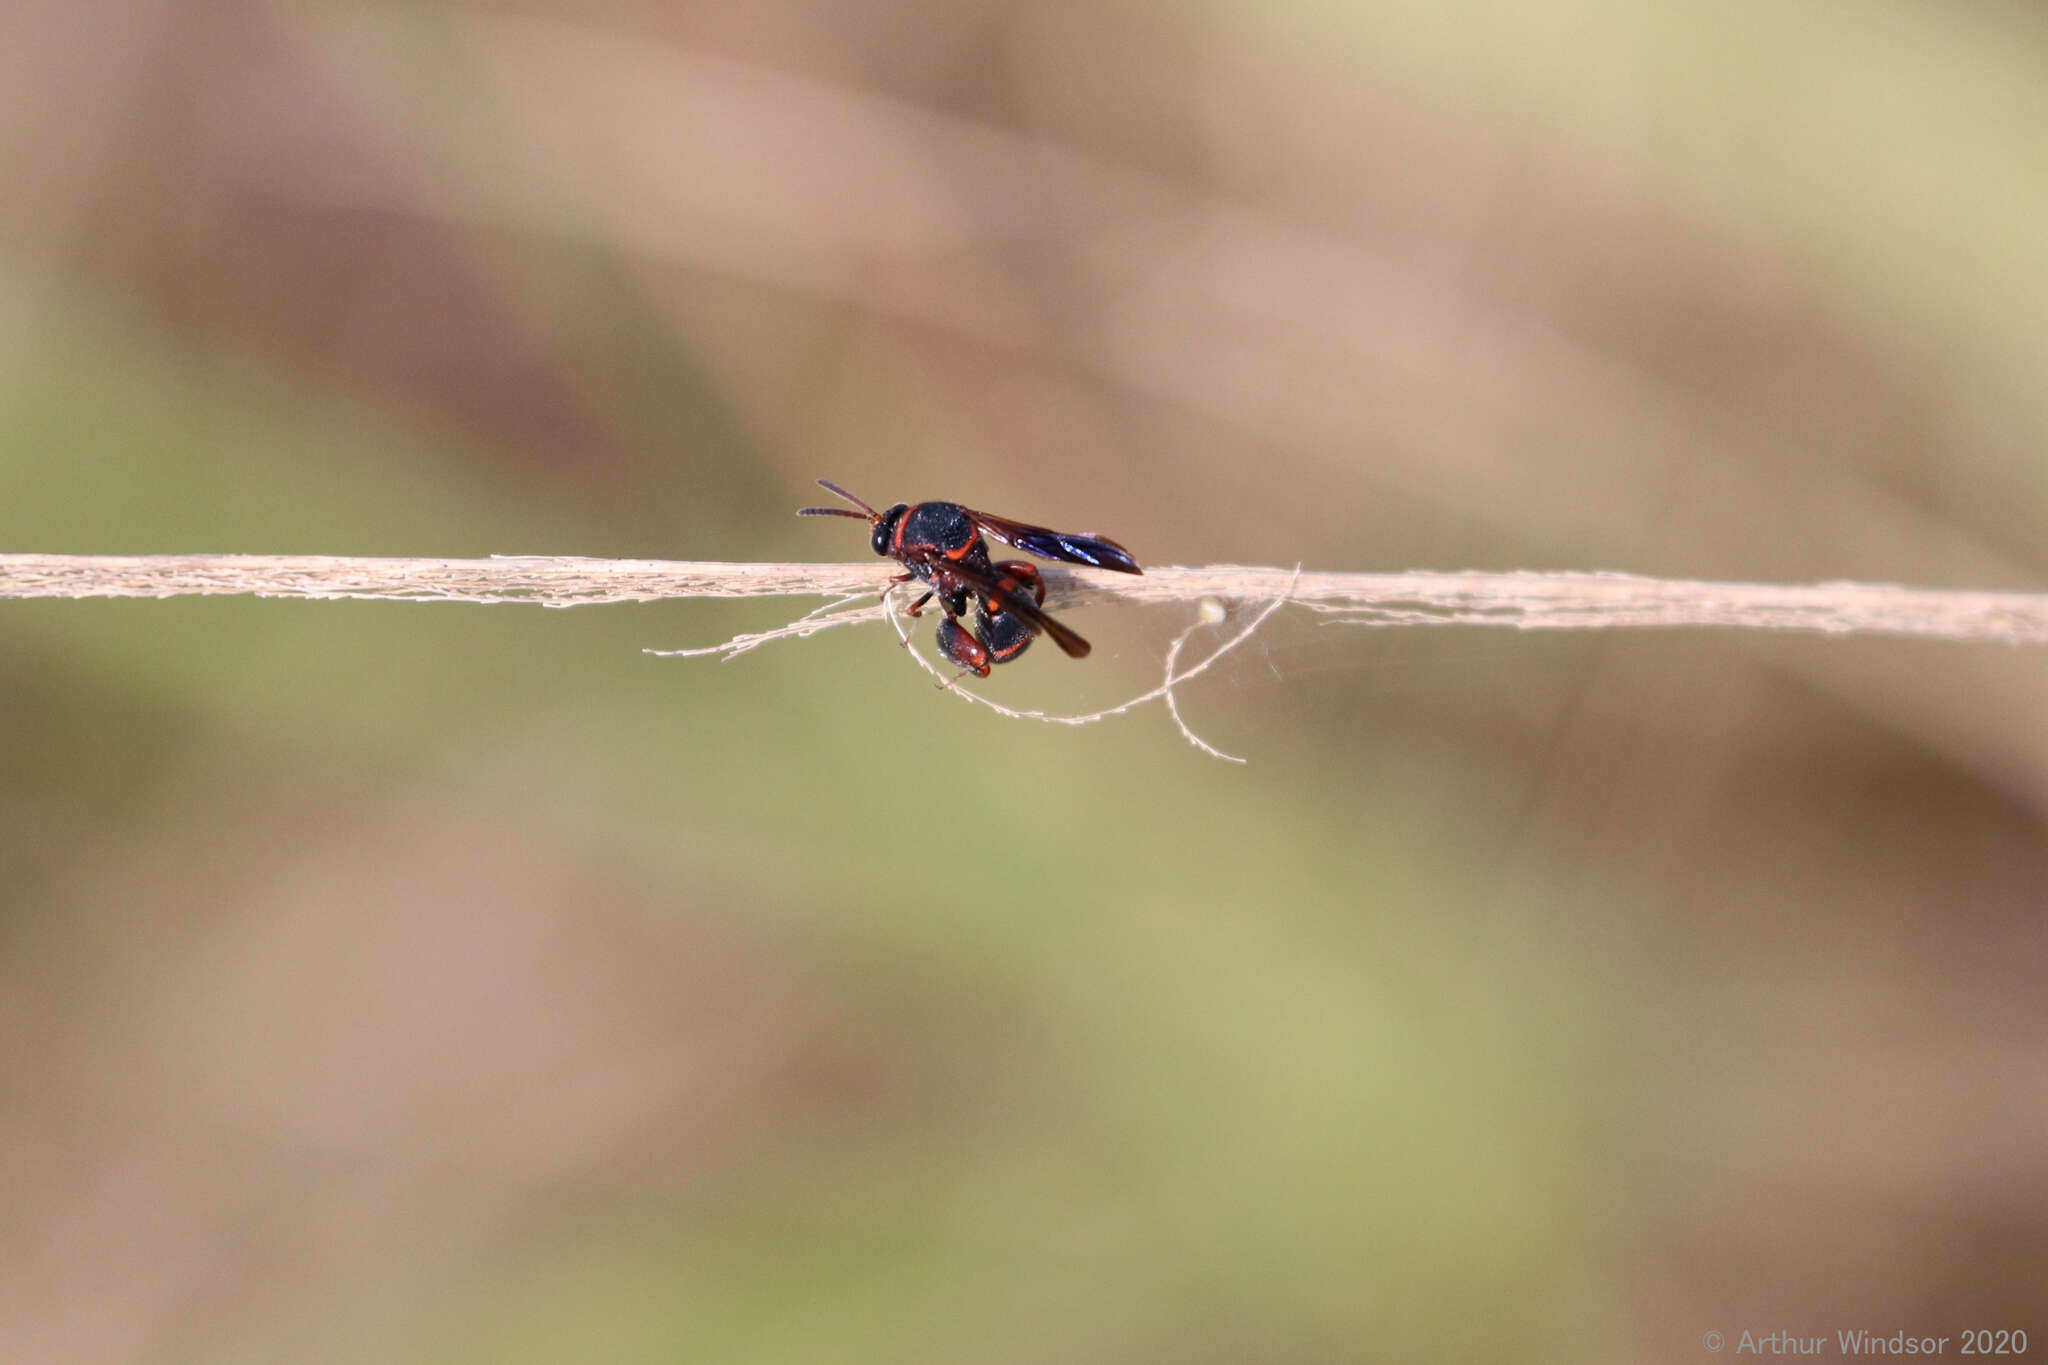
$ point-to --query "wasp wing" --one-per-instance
(1072, 547)
(1020, 604)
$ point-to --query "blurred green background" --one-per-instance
(431, 982)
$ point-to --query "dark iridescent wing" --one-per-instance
(1072, 547)
(1020, 605)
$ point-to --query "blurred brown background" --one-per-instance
(409, 983)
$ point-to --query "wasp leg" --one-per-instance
(953, 594)
(963, 649)
(917, 608)
(1024, 574)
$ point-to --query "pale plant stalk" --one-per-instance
(1526, 601)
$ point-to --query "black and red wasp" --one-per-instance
(940, 545)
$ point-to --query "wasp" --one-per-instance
(940, 545)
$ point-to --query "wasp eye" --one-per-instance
(885, 528)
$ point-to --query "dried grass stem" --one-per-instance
(1530, 601)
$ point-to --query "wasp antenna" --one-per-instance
(828, 484)
(832, 512)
